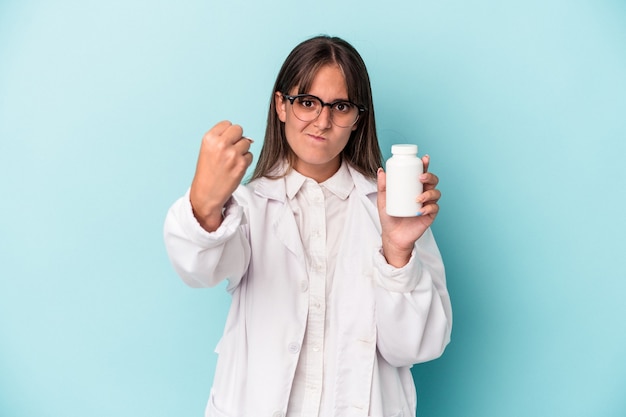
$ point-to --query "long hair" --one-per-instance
(299, 69)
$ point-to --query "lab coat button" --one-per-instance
(304, 285)
(293, 347)
(278, 414)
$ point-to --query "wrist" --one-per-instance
(396, 256)
(208, 218)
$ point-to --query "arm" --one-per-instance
(203, 236)
(413, 310)
(201, 258)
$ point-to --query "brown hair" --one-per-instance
(299, 69)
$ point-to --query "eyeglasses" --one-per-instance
(306, 107)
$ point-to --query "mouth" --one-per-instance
(316, 137)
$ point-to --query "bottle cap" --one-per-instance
(404, 149)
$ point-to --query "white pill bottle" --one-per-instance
(403, 184)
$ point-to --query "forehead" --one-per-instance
(327, 80)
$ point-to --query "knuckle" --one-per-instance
(220, 146)
(224, 124)
(208, 137)
(235, 130)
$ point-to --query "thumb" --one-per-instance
(381, 180)
(382, 189)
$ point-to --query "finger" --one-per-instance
(233, 134)
(426, 162)
(248, 158)
(219, 128)
(246, 139)
(381, 180)
(381, 183)
(214, 135)
(429, 209)
(429, 180)
(243, 145)
(429, 197)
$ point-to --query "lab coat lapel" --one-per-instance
(286, 230)
(366, 191)
(283, 222)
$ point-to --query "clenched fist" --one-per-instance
(222, 163)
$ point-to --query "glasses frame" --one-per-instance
(359, 107)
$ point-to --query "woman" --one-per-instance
(332, 299)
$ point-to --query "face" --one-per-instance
(317, 144)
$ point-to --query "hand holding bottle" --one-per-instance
(400, 233)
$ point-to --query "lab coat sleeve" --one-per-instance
(413, 309)
(201, 258)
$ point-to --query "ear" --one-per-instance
(281, 106)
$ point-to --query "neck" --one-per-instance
(319, 173)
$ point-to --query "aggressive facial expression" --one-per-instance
(317, 144)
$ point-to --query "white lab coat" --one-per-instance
(389, 318)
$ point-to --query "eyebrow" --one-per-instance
(329, 102)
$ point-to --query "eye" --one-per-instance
(343, 107)
(308, 102)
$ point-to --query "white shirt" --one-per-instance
(385, 319)
(320, 211)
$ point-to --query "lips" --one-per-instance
(316, 137)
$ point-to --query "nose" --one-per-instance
(323, 120)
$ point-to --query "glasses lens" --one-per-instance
(307, 108)
(344, 113)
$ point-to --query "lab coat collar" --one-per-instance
(340, 184)
(293, 182)
(277, 189)
(364, 185)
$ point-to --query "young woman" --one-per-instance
(332, 299)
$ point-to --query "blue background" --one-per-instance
(521, 105)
